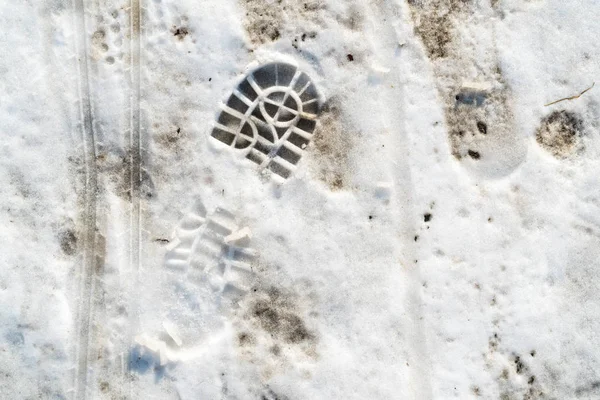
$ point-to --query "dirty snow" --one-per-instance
(435, 237)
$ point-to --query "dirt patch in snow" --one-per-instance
(435, 22)
(273, 326)
(68, 241)
(331, 147)
(560, 133)
(266, 20)
(277, 313)
(115, 166)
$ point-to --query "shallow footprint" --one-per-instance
(211, 249)
(209, 269)
(476, 98)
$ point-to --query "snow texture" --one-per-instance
(281, 199)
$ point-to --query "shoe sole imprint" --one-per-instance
(270, 117)
(201, 253)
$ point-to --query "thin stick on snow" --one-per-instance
(572, 97)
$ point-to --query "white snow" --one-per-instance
(411, 254)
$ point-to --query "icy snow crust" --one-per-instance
(437, 236)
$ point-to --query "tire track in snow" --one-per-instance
(135, 171)
(86, 274)
(419, 368)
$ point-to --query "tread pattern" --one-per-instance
(270, 117)
(202, 254)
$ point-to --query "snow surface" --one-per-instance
(438, 239)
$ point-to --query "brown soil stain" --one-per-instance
(180, 32)
(171, 139)
(331, 147)
(435, 22)
(515, 378)
(267, 21)
(273, 327)
(68, 241)
(560, 133)
(275, 315)
(115, 169)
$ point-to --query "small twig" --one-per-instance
(572, 97)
